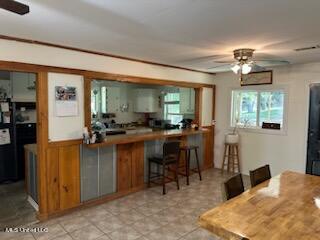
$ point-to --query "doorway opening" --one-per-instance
(18, 149)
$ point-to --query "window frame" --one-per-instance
(165, 109)
(258, 129)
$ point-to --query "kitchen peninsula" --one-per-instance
(119, 164)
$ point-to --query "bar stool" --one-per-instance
(187, 151)
(231, 157)
(169, 157)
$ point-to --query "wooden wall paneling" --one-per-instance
(53, 180)
(137, 164)
(42, 141)
(124, 177)
(69, 176)
(208, 149)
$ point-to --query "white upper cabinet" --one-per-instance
(110, 99)
(23, 87)
(187, 100)
(145, 100)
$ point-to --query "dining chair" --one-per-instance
(260, 175)
(170, 156)
(233, 186)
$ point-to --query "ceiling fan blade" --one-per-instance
(271, 61)
(229, 62)
(15, 7)
(221, 68)
(205, 58)
(257, 68)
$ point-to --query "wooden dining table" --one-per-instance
(286, 207)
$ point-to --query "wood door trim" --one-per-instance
(10, 38)
(29, 67)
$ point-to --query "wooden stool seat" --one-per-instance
(187, 149)
(231, 158)
(190, 147)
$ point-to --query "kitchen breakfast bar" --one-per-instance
(119, 164)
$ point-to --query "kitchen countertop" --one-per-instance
(130, 138)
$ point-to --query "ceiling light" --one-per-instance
(236, 68)
(246, 68)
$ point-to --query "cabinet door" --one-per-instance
(53, 179)
(192, 100)
(137, 164)
(69, 176)
(145, 100)
(21, 83)
(124, 167)
(113, 99)
(187, 100)
(184, 100)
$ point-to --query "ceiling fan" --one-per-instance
(246, 63)
(14, 6)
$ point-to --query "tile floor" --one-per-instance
(15, 210)
(145, 215)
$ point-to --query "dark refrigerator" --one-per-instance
(8, 163)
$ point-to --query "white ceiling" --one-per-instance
(173, 31)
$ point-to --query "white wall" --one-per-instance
(206, 113)
(282, 152)
(65, 128)
(51, 56)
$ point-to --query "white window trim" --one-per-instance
(259, 130)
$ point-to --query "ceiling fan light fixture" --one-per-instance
(236, 68)
(246, 68)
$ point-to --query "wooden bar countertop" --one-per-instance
(285, 207)
(130, 138)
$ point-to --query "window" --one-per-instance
(172, 108)
(250, 108)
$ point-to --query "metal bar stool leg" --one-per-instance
(224, 158)
(229, 158)
(149, 173)
(198, 164)
(163, 179)
(187, 167)
(238, 157)
(177, 174)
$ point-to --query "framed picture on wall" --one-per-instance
(66, 101)
(257, 78)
